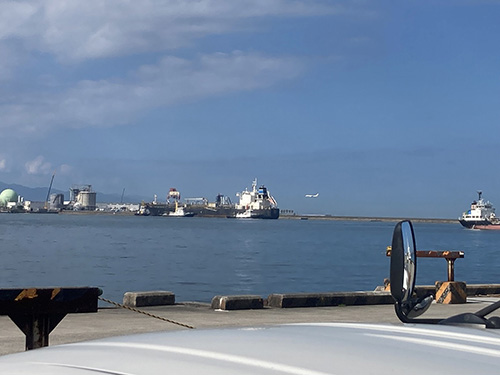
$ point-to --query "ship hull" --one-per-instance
(271, 213)
(479, 224)
(487, 227)
(208, 211)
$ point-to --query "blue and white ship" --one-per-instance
(481, 215)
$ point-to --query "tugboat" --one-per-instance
(248, 214)
(179, 212)
(480, 216)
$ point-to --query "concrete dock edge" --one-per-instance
(483, 289)
(288, 300)
(241, 302)
(329, 299)
(152, 298)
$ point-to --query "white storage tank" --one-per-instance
(56, 201)
(87, 200)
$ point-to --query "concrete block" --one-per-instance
(329, 299)
(483, 289)
(451, 292)
(243, 302)
(422, 291)
(153, 298)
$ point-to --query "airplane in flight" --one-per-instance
(312, 195)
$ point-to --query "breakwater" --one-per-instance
(369, 219)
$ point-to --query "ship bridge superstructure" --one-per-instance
(479, 209)
(481, 213)
(256, 199)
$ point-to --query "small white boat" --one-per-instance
(179, 212)
(248, 214)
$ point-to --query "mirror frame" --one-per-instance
(403, 276)
(403, 262)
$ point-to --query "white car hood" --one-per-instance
(309, 349)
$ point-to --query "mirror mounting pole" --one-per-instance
(488, 309)
(402, 314)
(399, 313)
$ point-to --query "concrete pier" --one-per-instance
(118, 321)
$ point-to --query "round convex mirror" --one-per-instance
(403, 262)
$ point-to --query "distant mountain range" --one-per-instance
(40, 194)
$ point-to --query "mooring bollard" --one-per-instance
(451, 292)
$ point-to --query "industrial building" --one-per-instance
(82, 197)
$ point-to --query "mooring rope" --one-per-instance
(145, 313)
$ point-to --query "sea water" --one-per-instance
(198, 258)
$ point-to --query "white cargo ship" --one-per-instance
(481, 215)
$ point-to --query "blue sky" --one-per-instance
(385, 108)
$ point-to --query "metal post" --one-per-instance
(37, 327)
(37, 311)
(451, 269)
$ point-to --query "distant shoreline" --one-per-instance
(367, 218)
(300, 217)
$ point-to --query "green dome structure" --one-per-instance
(6, 196)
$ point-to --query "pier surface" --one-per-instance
(109, 322)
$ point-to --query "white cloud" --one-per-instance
(36, 35)
(218, 73)
(65, 169)
(3, 164)
(38, 166)
(15, 16)
(8, 61)
(79, 30)
(171, 80)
